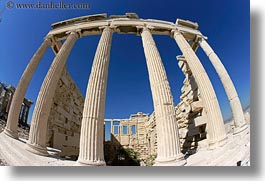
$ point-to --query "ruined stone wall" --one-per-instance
(64, 123)
(151, 135)
(138, 141)
(128, 139)
(191, 117)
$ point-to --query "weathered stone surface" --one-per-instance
(12, 122)
(64, 123)
(164, 133)
(168, 147)
(38, 128)
(238, 115)
(92, 128)
(216, 130)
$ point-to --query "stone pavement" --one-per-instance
(235, 153)
(14, 153)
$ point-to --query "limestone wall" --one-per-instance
(191, 117)
(132, 138)
(151, 135)
(64, 123)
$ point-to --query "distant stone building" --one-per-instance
(6, 95)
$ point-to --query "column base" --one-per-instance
(90, 163)
(10, 133)
(240, 129)
(37, 150)
(176, 161)
(242, 133)
(219, 143)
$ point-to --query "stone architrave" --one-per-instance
(168, 144)
(91, 151)
(38, 129)
(215, 127)
(237, 111)
(14, 111)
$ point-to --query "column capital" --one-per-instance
(48, 39)
(200, 38)
(181, 58)
(107, 28)
(139, 29)
(149, 27)
(173, 32)
(76, 32)
(142, 28)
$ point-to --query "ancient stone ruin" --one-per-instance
(192, 133)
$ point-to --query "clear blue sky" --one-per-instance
(225, 23)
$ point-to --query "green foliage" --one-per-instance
(132, 154)
(151, 160)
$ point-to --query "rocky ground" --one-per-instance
(23, 132)
(229, 124)
(3, 163)
(2, 126)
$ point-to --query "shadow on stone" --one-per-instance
(117, 155)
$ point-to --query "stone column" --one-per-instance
(111, 127)
(38, 128)
(215, 127)
(91, 151)
(13, 116)
(237, 111)
(168, 144)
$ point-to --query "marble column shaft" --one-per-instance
(215, 127)
(38, 128)
(111, 127)
(14, 111)
(168, 144)
(92, 129)
(238, 115)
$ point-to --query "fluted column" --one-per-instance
(215, 127)
(168, 144)
(237, 111)
(111, 127)
(91, 151)
(14, 111)
(38, 128)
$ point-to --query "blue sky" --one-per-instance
(225, 23)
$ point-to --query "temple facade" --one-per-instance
(170, 132)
